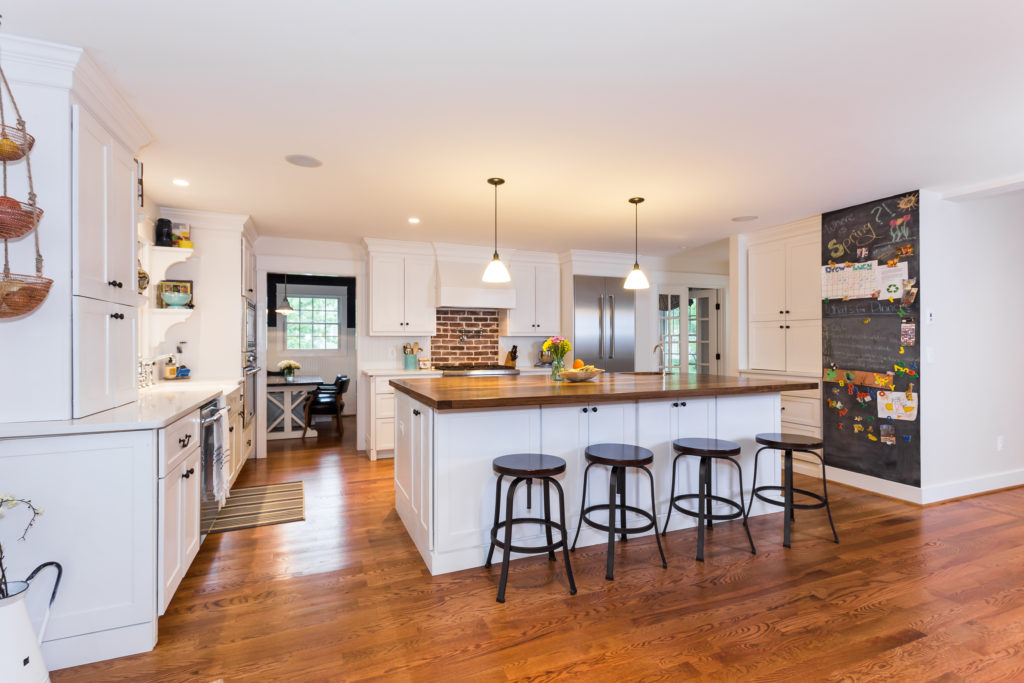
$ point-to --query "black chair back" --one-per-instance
(341, 384)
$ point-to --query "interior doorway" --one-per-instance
(690, 330)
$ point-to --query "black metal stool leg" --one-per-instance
(547, 518)
(753, 481)
(583, 506)
(824, 490)
(621, 485)
(654, 518)
(529, 493)
(788, 486)
(753, 551)
(702, 479)
(565, 536)
(609, 572)
(671, 495)
(497, 511)
(509, 500)
(707, 498)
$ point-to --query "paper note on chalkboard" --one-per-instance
(849, 280)
(890, 280)
(897, 405)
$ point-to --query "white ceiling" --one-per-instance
(709, 109)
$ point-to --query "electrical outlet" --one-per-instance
(1000, 442)
(931, 317)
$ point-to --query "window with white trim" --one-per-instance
(313, 324)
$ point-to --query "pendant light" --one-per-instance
(636, 278)
(496, 270)
(285, 308)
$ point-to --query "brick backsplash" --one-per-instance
(481, 332)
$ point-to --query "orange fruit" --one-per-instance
(9, 150)
(577, 364)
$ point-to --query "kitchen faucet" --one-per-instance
(660, 347)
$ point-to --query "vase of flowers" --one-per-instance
(288, 368)
(557, 347)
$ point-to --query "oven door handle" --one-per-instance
(214, 417)
(252, 371)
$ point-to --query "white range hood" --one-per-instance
(460, 271)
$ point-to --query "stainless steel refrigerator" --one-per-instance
(603, 322)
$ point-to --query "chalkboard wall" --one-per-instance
(872, 343)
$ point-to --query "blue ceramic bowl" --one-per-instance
(175, 299)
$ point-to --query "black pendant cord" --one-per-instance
(495, 220)
(636, 235)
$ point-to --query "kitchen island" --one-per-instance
(448, 430)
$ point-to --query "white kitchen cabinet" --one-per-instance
(414, 429)
(784, 305)
(800, 411)
(105, 338)
(248, 270)
(234, 437)
(661, 422)
(179, 488)
(402, 295)
(103, 210)
(537, 301)
(381, 437)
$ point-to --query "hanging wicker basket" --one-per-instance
(17, 219)
(15, 143)
(21, 294)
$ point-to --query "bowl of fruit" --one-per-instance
(580, 372)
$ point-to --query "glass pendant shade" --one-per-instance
(636, 279)
(496, 271)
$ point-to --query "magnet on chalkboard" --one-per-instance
(835, 390)
(908, 333)
(867, 320)
(871, 417)
(857, 428)
(872, 437)
(840, 425)
(849, 390)
(906, 437)
(844, 411)
(901, 350)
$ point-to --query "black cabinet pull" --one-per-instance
(184, 440)
(787, 327)
(112, 283)
(415, 412)
(231, 429)
(682, 403)
(584, 410)
(787, 312)
(249, 290)
(675, 405)
(594, 409)
(780, 312)
(780, 327)
(248, 442)
(188, 473)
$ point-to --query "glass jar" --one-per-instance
(557, 365)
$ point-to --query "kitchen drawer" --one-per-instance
(803, 393)
(384, 434)
(176, 441)
(381, 386)
(384, 405)
(803, 411)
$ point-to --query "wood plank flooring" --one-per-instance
(909, 594)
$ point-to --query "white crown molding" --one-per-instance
(376, 245)
(988, 188)
(95, 91)
(467, 253)
(533, 257)
(800, 228)
(232, 222)
(38, 62)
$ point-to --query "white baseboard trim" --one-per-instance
(911, 494)
(970, 487)
(100, 645)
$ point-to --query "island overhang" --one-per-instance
(469, 393)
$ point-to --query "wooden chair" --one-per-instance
(326, 402)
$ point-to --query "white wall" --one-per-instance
(324, 363)
(971, 353)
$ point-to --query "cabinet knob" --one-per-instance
(231, 429)
(675, 405)
(585, 410)
(780, 312)
(594, 409)
(249, 290)
(787, 312)
(112, 283)
(780, 327)
(787, 327)
(682, 403)
(415, 412)
(188, 473)
(248, 442)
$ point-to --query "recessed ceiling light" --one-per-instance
(414, 221)
(744, 219)
(303, 160)
(180, 182)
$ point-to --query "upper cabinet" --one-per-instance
(537, 301)
(402, 292)
(248, 270)
(784, 303)
(103, 215)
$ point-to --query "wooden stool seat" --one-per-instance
(707, 450)
(525, 467)
(619, 455)
(529, 465)
(786, 440)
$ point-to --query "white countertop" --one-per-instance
(158, 406)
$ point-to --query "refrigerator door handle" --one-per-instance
(611, 320)
(600, 327)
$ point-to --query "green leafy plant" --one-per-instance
(9, 502)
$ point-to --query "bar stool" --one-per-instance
(527, 467)
(707, 450)
(618, 456)
(791, 443)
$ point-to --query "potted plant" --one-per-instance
(20, 658)
(288, 368)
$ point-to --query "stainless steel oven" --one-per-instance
(213, 419)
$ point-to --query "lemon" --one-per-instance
(9, 150)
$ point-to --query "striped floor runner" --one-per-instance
(262, 505)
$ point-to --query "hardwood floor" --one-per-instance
(909, 594)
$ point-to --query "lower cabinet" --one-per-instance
(179, 493)
(99, 495)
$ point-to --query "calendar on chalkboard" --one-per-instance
(871, 376)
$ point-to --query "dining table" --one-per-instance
(286, 400)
